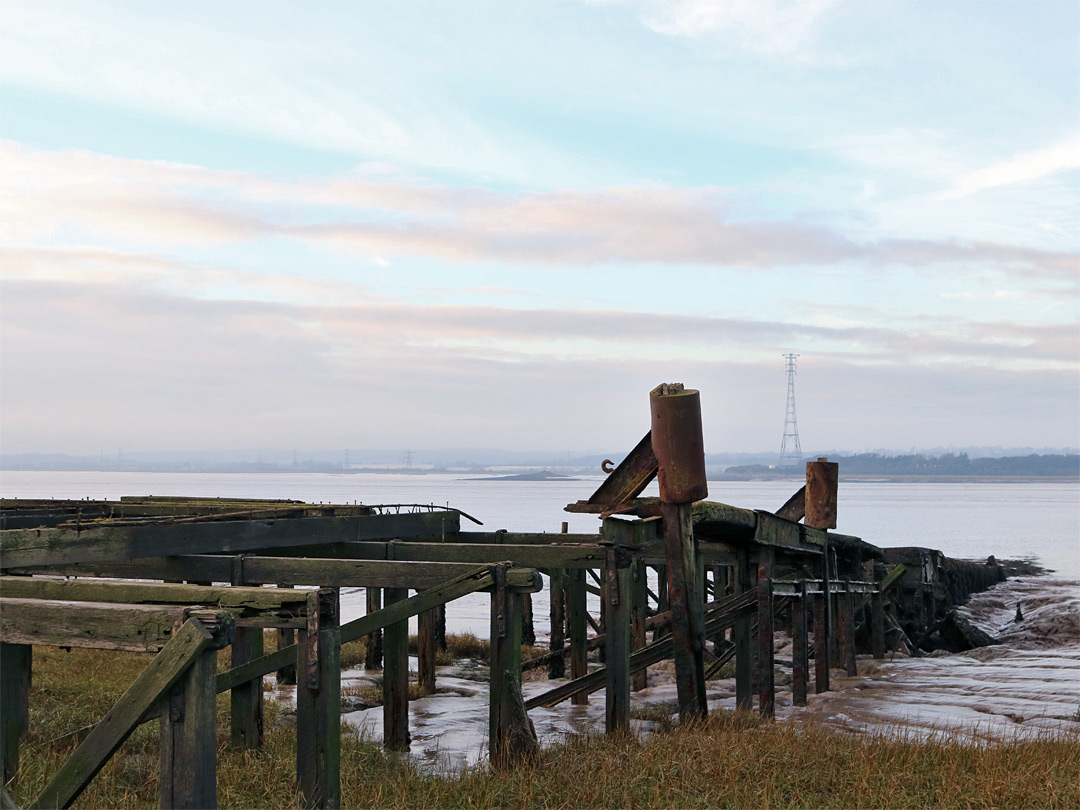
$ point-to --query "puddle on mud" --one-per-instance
(1028, 686)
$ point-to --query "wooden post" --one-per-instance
(744, 661)
(246, 700)
(318, 704)
(557, 665)
(766, 685)
(617, 593)
(511, 736)
(877, 626)
(425, 651)
(528, 630)
(846, 620)
(687, 622)
(440, 628)
(639, 614)
(373, 642)
(821, 645)
(800, 661)
(576, 608)
(188, 776)
(15, 675)
(396, 678)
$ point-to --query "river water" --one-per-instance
(1028, 685)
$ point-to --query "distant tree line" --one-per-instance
(948, 464)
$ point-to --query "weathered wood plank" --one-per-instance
(396, 677)
(246, 700)
(136, 628)
(318, 704)
(15, 677)
(148, 593)
(619, 603)
(425, 652)
(188, 753)
(577, 615)
(511, 737)
(684, 594)
(795, 507)
(821, 644)
(766, 680)
(744, 660)
(557, 600)
(57, 546)
(160, 675)
(800, 661)
(625, 482)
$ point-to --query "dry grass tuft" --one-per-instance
(730, 760)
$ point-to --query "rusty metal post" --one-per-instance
(821, 488)
(679, 449)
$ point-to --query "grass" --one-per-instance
(731, 760)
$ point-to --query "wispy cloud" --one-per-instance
(167, 204)
(769, 26)
(1023, 168)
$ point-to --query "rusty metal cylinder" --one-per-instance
(678, 444)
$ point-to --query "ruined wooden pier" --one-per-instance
(727, 577)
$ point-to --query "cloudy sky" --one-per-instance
(329, 225)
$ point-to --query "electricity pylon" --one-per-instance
(790, 449)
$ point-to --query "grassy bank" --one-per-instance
(730, 761)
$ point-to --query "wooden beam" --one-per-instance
(59, 546)
(318, 704)
(625, 482)
(187, 776)
(795, 507)
(396, 677)
(135, 628)
(15, 677)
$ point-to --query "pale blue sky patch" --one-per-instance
(295, 205)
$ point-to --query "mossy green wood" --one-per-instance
(148, 593)
(188, 749)
(108, 735)
(318, 705)
(134, 628)
(35, 547)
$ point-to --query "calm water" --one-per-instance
(969, 520)
(1036, 681)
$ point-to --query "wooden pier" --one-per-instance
(728, 579)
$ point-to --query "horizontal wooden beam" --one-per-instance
(56, 546)
(149, 593)
(314, 571)
(94, 625)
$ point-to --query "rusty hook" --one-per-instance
(606, 465)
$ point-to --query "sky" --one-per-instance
(451, 224)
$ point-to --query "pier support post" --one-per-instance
(800, 662)
(766, 685)
(821, 644)
(246, 700)
(396, 678)
(846, 620)
(15, 675)
(744, 662)
(373, 644)
(188, 775)
(528, 629)
(617, 593)
(425, 651)
(877, 626)
(511, 737)
(557, 592)
(639, 614)
(318, 704)
(576, 608)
